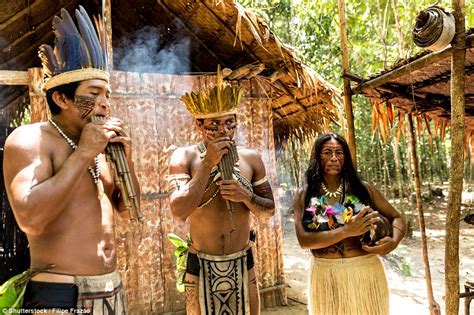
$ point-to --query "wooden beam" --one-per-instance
(8, 77)
(409, 68)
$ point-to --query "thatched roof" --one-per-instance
(224, 33)
(421, 85)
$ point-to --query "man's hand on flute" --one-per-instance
(234, 191)
(215, 149)
(120, 136)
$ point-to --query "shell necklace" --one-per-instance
(331, 194)
(94, 172)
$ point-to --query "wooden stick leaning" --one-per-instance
(226, 167)
(122, 176)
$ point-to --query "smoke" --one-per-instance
(146, 52)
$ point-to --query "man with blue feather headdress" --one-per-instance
(60, 185)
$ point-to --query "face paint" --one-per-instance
(85, 105)
(214, 129)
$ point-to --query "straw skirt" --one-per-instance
(348, 286)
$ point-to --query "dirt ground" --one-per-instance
(404, 266)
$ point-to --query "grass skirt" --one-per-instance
(348, 286)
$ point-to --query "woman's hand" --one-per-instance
(382, 246)
(361, 222)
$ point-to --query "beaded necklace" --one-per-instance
(94, 172)
(331, 194)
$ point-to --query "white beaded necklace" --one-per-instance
(95, 173)
(331, 194)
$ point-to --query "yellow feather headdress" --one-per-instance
(213, 101)
(78, 54)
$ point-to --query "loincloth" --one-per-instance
(223, 283)
(102, 294)
(193, 267)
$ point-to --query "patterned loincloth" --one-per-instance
(103, 294)
(223, 283)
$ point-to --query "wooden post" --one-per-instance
(107, 11)
(451, 256)
(347, 84)
(434, 306)
(38, 105)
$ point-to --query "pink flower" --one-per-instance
(329, 210)
(312, 208)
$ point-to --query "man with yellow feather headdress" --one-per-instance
(217, 185)
(59, 184)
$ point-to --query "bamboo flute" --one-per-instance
(226, 167)
(122, 177)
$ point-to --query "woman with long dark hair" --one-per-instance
(345, 222)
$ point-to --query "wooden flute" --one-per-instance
(226, 168)
(122, 177)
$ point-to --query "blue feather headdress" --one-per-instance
(78, 54)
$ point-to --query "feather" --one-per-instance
(90, 38)
(48, 59)
(70, 49)
(68, 23)
(99, 24)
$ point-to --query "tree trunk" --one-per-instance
(434, 306)
(350, 137)
(451, 256)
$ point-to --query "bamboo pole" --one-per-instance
(347, 83)
(451, 256)
(8, 77)
(434, 306)
(409, 68)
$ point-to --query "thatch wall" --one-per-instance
(158, 123)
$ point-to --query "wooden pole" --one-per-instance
(409, 68)
(38, 104)
(451, 256)
(347, 83)
(107, 12)
(434, 306)
(8, 77)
